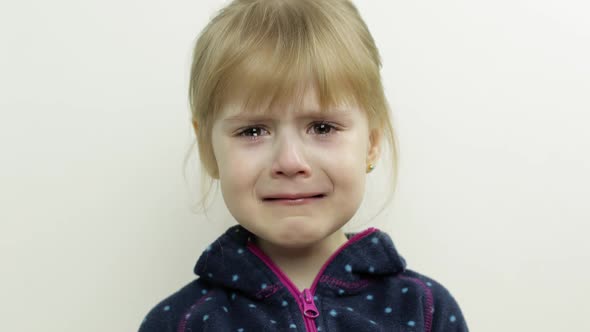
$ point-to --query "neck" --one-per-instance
(301, 265)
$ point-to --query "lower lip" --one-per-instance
(299, 201)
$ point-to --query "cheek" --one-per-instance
(346, 156)
(229, 158)
(347, 166)
(238, 171)
(237, 182)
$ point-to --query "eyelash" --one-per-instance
(332, 128)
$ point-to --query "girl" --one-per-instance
(289, 112)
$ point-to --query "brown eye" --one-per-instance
(251, 132)
(324, 128)
(321, 128)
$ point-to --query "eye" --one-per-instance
(254, 130)
(325, 127)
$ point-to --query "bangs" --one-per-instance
(279, 51)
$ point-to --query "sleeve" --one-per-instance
(158, 320)
(447, 315)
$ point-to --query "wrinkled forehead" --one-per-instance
(304, 99)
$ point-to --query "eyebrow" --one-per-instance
(309, 114)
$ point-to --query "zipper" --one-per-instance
(309, 308)
(305, 299)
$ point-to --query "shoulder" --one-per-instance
(441, 309)
(169, 313)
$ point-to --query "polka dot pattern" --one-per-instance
(364, 287)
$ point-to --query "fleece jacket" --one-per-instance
(364, 286)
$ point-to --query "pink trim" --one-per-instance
(298, 295)
(187, 314)
(352, 240)
(344, 284)
(282, 277)
(429, 302)
(310, 326)
(268, 291)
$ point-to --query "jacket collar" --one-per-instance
(230, 262)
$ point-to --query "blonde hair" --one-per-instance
(265, 49)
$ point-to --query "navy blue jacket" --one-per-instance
(364, 286)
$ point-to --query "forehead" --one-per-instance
(300, 113)
(304, 106)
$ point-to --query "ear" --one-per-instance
(374, 148)
(195, 126)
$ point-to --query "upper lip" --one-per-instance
(292, 196)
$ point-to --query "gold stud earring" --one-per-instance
(370, 168)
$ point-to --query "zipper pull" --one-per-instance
(309, 308)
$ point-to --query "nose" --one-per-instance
(289, 157)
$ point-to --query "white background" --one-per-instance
(491, 103)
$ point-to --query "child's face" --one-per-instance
(293, 154)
